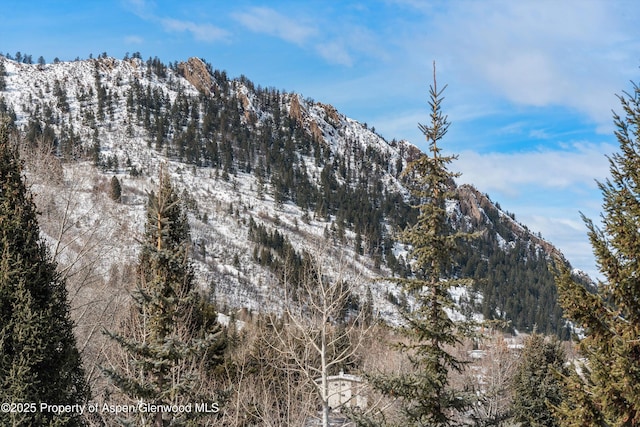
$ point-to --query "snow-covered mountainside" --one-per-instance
(265, 175)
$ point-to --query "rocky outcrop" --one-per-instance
(472, 199)
(295, 111)
(196, 73)
(332, 114)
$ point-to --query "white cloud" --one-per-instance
(336, 39)
(579, 164)
(539, 53)
(202, 32)
(539, 134)
(527, 78)
(564, 228)
(139, 7)
(133, 39)
(335, 53)
(267, 21)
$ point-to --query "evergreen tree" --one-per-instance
(39, 361)
(3, 71)
(606, 388)
(426, 394)
(536, 384)
(175, 340)
(115, 191)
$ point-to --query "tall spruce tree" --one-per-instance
(426, 393)
(536, 385)
(174, 339)
(39, 361)
(605, 390)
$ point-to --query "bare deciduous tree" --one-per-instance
(263, 391)
(80, 227)
(490, 373)
(319, 334)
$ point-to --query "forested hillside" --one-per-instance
(280, 168)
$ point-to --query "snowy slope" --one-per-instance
(227, 204)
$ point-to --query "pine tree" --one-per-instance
(3, 83)
(536, 384)
(606, 388)
(39, 361)
(174, 341)
(426, 394)
(115, 192)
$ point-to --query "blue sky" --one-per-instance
(531, 84)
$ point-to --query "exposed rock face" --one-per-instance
(246, 105)
(295, 111)
(195, 71)
(473, 199)
(316, 131)
(106, 64)
(350, 145)
(331, 112)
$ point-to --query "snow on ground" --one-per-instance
(222, 253)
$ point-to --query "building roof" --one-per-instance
(342, 377)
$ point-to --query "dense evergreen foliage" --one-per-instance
(39, 361)
(169, 346)
(514, 277)
(606, 389)
(537, 386)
